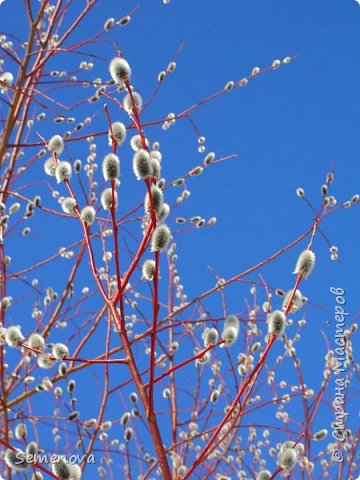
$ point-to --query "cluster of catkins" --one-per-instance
(20, 461)
(146, 166)
(13, 337)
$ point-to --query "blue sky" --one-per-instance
(286, 128)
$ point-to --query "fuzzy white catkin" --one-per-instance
(182, 471)
(320, 434)
(20, 431)
(133, 397)
(214, 396)
(263, 475)
(232, 321)
(148, 269)
(120, 70)
(75, 471)
(277, 323)
(111, 167)
(58, 392)
(210, 337)
(15, 459)
(68, 205)
(73, 416)
(155, 168)
(141, 164)
(156, 155)
(45, 361)
(117, 133)
(31, 448)
(7, 78)
(62, 369)
(230, 335)
(62, 171)
(13, 336)
(305, 263)
(36, 341)
(106, 425)
(56, 144)
(210, 157)
(160, 238)
(287, 459)
(61, 469)
(50, 166)
(109, 23)
(164, 212)
(77, 165)
(106, 199)
(71, 386)
(157, 200)
(14, 208)
(136, 143)
(59, 351)
(297, 300)
(88, 215)
(125, 418)
(128, 105)
(231, 330)
(166, 393)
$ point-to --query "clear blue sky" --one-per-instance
(286, 128)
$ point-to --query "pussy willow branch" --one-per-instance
(213, 441)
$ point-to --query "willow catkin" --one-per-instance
(56, 144)
(287, 459)
(210, 337)
(6, 79)
(75, 471)
(61, 469)
(120, 70)
(45, 361)
(59, 351)
(117, 133)
(88, 215)
(155, 168)
(136, 142)
(160, 238)
(109, 23)
(133, 397)
(36, 341)
(125, 418)
(305, 263)
(13, 336)
(106, 199)
(111, 167)
(320, 434)
(148, 269)
(128, 434)
(263, 475)
(128, 102)
(141, 164)
(157, 197)
(68, 205)
(231, 330)
(20, 431)
(296, 303)
(16, 460)
(31, 448)
(277, 323)
(63, 171)
(164, 212)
